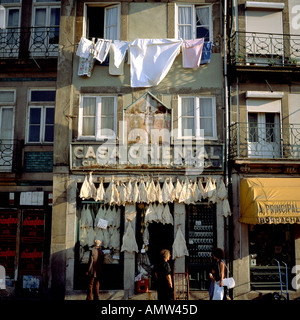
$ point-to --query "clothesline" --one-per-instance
(150, 59)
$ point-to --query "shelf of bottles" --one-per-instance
(201, 233)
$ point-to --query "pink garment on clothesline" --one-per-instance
(192, 52)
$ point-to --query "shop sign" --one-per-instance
(7, 257)
(199, 157)
(33, 226)
(279, 212)
(31, 259)
(8, 224)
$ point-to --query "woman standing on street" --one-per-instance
(164, 279)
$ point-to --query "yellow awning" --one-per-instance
(270, 200)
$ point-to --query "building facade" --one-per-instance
(135, 118)
(28, 58)
(264, 119)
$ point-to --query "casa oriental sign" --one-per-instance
(194, 156)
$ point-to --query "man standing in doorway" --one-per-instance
(95, 271)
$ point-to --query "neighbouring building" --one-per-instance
(29, 36)
(124, 118)
(264, 117)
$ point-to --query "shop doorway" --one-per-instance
(161, 236)
(267, 243)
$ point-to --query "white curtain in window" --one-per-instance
(185, 22)
(187, 116)
(107, 113)
(88, 116)
(6, 124)
(111, 23)
(206, 116)
(40, 17)
(202, 16)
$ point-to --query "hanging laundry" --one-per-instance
(101, 49)
(192, 52)
(151, 60)
(179, 246)
(117, 56)
(206, 52)
(85, 46)
(129, 243)
(86, 65)
(166, 215)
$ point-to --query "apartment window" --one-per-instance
(97, 117)
(196, 114)
(194, 22)
(102, 21)
(41, 116)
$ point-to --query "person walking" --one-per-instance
(164, 279)
(95, 270)
(217, 275)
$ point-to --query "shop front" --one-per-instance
(271, 209)
(25, 222)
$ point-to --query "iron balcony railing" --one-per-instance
(10, 155)
(249, 140)
(264, 49)
(36, 42)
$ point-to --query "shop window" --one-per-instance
(194, 22)
(201, 242)
(197, 117)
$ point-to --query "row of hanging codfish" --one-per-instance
(147, 191)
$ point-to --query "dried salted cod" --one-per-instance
(166, 215)
(159, 192)
(112, 194)
(183, 192)
(136, 193)
(100, 195)
(213, 197)
(109, 216)
(143, 192)
(222, 191)
(105, 240)
(152, 191)
(114, 241)
(196, 192)
(129, 243)
(123, 197)
(159, 209)
(90, 237)
(146, 236)
(93, 190)
(129, 190)
(172, 190)
(100, 214)
(82, 236)
(117, 218)
(201, 190)
(166, 195)
(85, 191)
(86, 220)
(178, 189)
(209, 188)
(189, 197)
(150, 214)
(99, 234)
(179, 248)
(226, 208)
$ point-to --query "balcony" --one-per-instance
(264, 49)
(10, 155)
(263, 141)
(34, 42)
